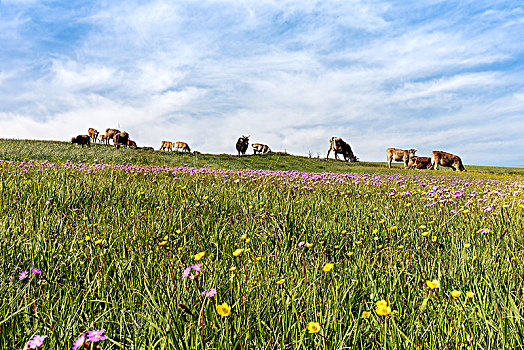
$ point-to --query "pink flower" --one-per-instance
(23, 275)
(36, 342)
(79, 341)
(96, 336)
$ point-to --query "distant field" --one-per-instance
(62, 151)
(306, 254)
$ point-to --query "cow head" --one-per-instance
(412, 152)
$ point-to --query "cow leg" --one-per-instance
(327, 156)
(389, 159)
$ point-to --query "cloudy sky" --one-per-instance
(446, 75)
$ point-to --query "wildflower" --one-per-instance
(366, 314)
(300, 244)
(455, 293)
(382, 303)
(434, 238)
(238, 252)
(244, 236)
(223, 310)
(382, 308)
(313, 327)
(281, 281)
(79, 342)
(309, 245)
(467, 245)
(84, 218)
(435, 284)
(87, 239)
(36, 342)
(162, 243)
(96, 336)
(210, 292)
(199, 255)
(23, 275)
(349, 253)
(35, 271)
(48, 201)
(98, 241)
(425, 233)
(328, 267)
(232, 268)
(470, 294)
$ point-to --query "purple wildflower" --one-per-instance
(210, 292)
(36, 342)
(186, 272)
(236, 181)
(96, 336)
(48, 201)
(35, 271)
(300, 244)
(484, 230)
(197, 267)
(79, 341)
(23, 275)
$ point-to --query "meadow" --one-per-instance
(185, 251)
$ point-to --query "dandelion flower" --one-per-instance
(455, 293)
(199, 255)
(467, 245)
(435, 284)
(281, 281)
(238, 252)
(223, 310)
(366, 314)
(328, 267)
(382, 303)
(313, 327)
(470, 294)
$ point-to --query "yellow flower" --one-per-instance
(383, 310)
(328, 267)
(470, 294)
(425, 233)
(435, 284)
(465, 211)
(375, 238)
(281, 281)
(244, 236)
(224, 310)
(258, 258)
(382, 303)
(400, 246)
(434, 238)
(232, 268)
(84, 218)
(238, 252)
(467, 245)
(98, 241)
(366, 314)
(358, 242)
(200, 255)
(248, 240)
(87, 238)
(382, 221)
(337, 246)
(349, 253)
(309, 245)
(375, 231)
(422, 226)
(313, 327)
(455, 293)
(162, 243)
(393, 228)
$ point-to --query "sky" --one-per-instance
(430, 75)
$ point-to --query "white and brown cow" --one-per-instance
(166, 146)
(260, 148)
(182, 146)
(339, 146)
(93, 134)
(446, 159)
(419, 163)
(399, 155)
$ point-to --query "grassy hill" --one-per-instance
(62, 151)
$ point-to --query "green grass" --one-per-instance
(112, 245)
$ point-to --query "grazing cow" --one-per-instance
(260, 148)
(131, 143)
(110, 134)
(120, 139)
(340, 146)
(446, 159)
(242, 144)
(182, 146)
(167, 146)
(93, 134)
(419, 163)
(82, 140)
(399, 155)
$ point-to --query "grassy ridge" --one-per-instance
(63, 151)
(112, 242)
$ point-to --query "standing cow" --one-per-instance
(242, 144)
(182, 146)
(110, 134)
(166, 146)
(120, 139)
(339, 146)
(400, 155)
(93, 134)
(260, 148)
(419, 163)
(81, 140)
(446, 159)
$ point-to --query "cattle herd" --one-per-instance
(336, 144)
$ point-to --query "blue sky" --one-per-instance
(424, 74)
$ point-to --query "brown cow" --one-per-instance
(446, 159)
(82, 140)
(131, 143)
(93, 134)
(166, 145)
(340, 146)
(102, 138)
(399, 155)
(110, 134)
(120, 139)
(419, 163)
(183, 146)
